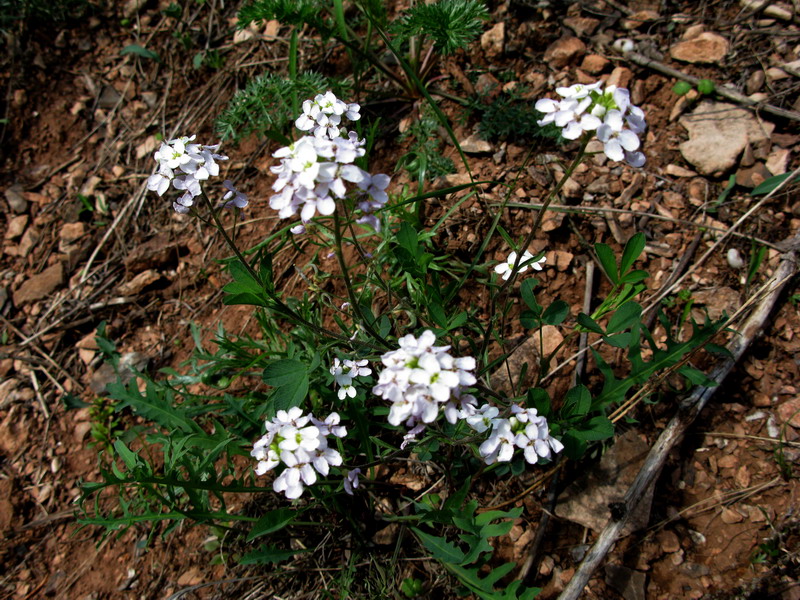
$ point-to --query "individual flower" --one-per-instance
(506, 268)
(324, 114)
(351, 480)
(184, 165)
(345, 371)
(318, 170)
(233, 198)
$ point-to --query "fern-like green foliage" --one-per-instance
(451, 24)
(423, 161)
(511, 118)
(288, 12)
(264, 106)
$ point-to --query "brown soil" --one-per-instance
(82, 121)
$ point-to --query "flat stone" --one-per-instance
(72, 232)
(526, 353)
(128, 362)
(708, 47)
(582, 26)
(755, 82)
(776, 74)
(138, 283)
(718, 133)
(594, 64)
(564, 51)
(587, 500)
(493, 40)
(751, 177)
(780, 11)
(475, 145)
(620, 77)
(16, 200)
(629, 583)
(29, 239)
(16, 227)
(677, 171)
(693, 31)
(40, 286)
(778, 161)
(718, 301)
(789, 412)
(639, 18)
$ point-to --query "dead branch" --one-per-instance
(643, 61)
(687, 412)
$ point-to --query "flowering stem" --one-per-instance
(534, 230)
(280, 306)
(337, 232)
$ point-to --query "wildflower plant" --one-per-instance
(406, 368)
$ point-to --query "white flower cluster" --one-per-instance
(313, 170)
(300, 442)
(420, 378)
(184, 165)
(505, 268)
(324, 113)
(609, 113)
(345, 371)
(524, 429)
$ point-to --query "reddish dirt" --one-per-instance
(82, 120)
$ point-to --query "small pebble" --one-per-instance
(735, 259)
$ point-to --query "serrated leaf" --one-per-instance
(440, 548)
(155, 404)
(273, 521)
(128, 457)
(697, 377)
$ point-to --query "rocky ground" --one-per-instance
(83, 243)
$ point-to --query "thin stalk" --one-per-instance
(351, 293)
(534, 230)
(282, 308)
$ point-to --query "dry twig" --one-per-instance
(687, 412)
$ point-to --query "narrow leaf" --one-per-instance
(273, 521)
(608, 261)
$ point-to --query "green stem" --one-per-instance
(534, 230)
(280, 306)
(351, 293)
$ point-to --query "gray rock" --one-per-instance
(718, 133)
(587, 500)
(105, 375)
(475, 145)
(629, 583)
(15, 199)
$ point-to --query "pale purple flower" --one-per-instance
(351, 480)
